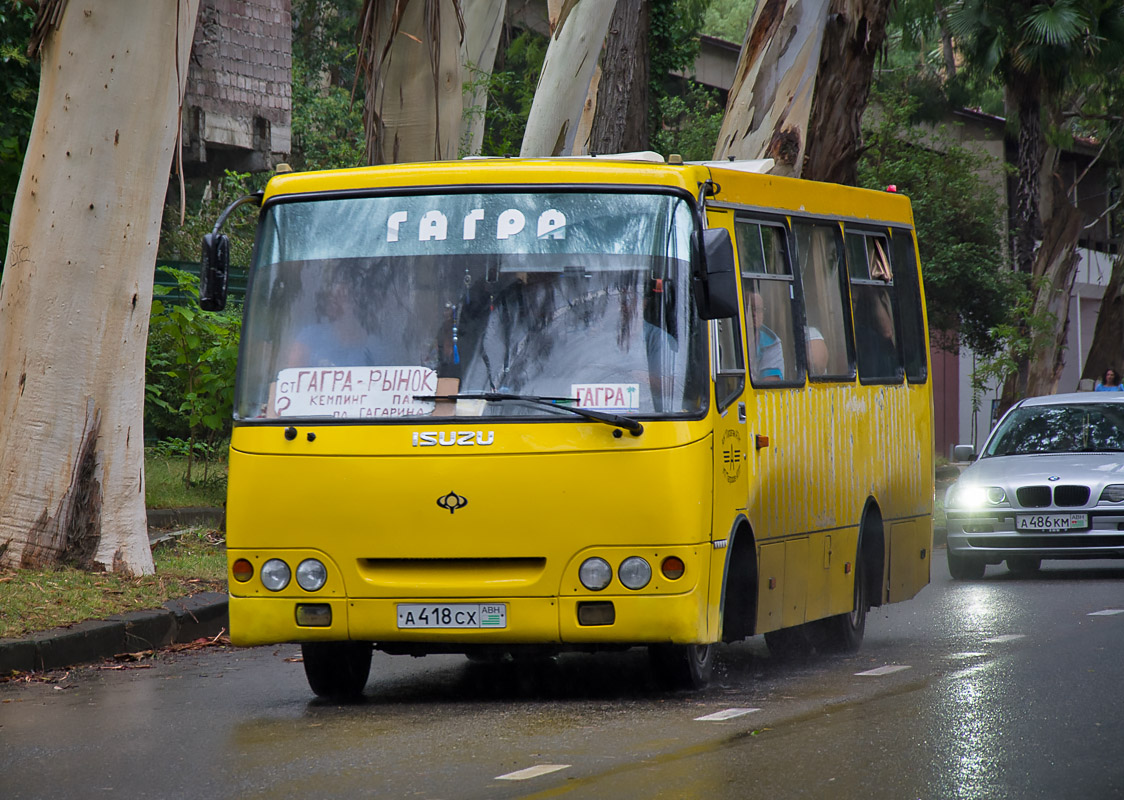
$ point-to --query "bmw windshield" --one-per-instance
(374, 308)
(1078, 428)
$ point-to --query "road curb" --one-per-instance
(184, 517)
(185, 619)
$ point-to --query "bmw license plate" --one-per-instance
(1051, 522)
(452, 615)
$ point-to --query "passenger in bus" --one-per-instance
(768, 359)
(817, 351)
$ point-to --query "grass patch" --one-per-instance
(41, 599)
(165, 487)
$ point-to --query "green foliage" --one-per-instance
(327, 125)
(19, 88)
(189, 386)
(511, 90)
(183, 242)
(728, 19)
(688, 123)
(968, 285)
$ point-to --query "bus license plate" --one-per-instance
(1051, 522)
(452, 615)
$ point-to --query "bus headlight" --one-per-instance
(595, 574)
(275, 574)
(635, 572)
(311, 575)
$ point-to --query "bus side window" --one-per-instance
(769, 295)
(908, 285)
(820, 265)
(874, 308)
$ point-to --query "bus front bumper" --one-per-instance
(610, 620)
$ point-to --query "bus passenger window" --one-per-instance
(909, 306)
(819, 260)
(767, 286)
(873, 306)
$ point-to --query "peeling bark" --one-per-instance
(571, 58)
(77, 286)
(410, 53)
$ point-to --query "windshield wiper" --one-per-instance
(617, 420)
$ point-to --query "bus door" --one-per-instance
(731, 447)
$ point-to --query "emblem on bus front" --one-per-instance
(450, 438)
(452, 501)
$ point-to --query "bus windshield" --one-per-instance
(368, 307)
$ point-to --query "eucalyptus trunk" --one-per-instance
(483, 23)
(77, 284)
(620, 123)
(563, 88)
(770, 99)
(853, 36)
(410, 53)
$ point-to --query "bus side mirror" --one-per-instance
(716, 280)
(213, 271)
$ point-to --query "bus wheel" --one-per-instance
(337, 669)
(683, 666)
(965, 568)
(843, 633)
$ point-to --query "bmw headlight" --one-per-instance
(1113, 493)
(972, 497)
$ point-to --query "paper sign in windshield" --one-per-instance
(354, 392)
(607, 396)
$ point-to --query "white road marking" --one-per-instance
(886, 670)
(1007, 637)
(532, 772)
(1108, 612)
(729, 713)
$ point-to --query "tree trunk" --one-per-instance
(483, 23)
(855, 32)
(1105, 350)
(1025, 95)
(771, 97)
(567, 70)
(620, 123)
(410, 54)
(1056, 267)
(77, 286)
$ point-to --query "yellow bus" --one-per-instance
(509, 407)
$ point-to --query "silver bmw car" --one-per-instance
(1049, 483)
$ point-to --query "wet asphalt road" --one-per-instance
(1001, 688)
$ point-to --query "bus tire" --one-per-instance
(337, 669)
(965, 568)
(843, 633)
(683, 666)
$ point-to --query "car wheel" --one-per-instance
(683, 666)
(1024, 565)
(965, 568)
(337, 669)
